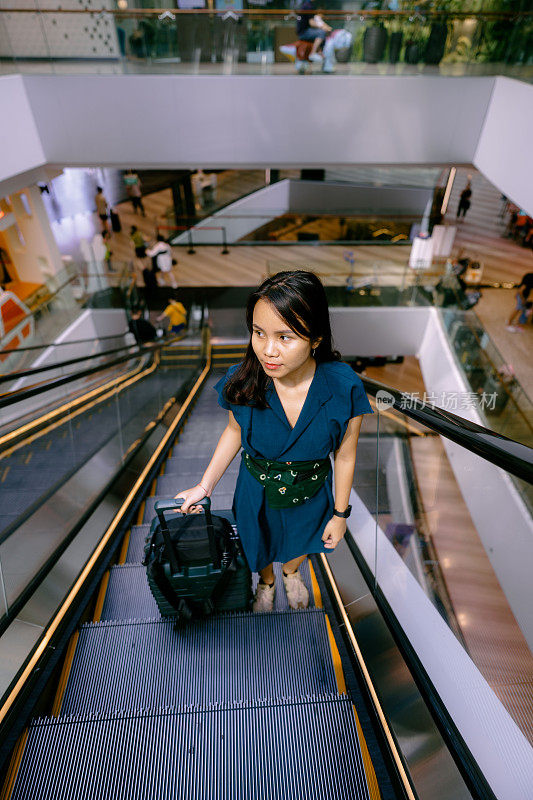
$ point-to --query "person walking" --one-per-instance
(138, 242)
(177, 315)
(102, 209)
(291, 403)
(161, 254)
(465, 199)
(134, 191)
(519, 317)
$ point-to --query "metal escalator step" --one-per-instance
(138, 535)
(178, 464)
(165, 667)
(282, 749)
(129, 597)
(220, 500)
(169, 484)
(203, 449)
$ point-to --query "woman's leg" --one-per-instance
(267, 574)
(293, 564)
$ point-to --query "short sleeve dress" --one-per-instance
(335, 396)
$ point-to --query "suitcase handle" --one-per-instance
(171, 505)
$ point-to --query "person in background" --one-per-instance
(464, 200)
(161, 255)
(138, 242)
(177, 315)
(106, 236)
(102, 208)
(134, 192)
(519, 317)
(142, 329)
(312, 29)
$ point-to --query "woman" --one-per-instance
(291, 403)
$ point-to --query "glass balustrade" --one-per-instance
(49, 480)
(443, 542)
(233, 40)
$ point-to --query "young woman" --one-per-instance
(291, 403)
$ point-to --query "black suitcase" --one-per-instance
(115, 221)
(195, 564)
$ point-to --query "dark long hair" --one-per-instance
(300, 300)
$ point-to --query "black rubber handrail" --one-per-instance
(35, 370)
(24, 394)
(63, 344)
(512, 456)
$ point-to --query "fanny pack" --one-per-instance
(288, 483)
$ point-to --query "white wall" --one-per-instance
(503, 153)
(252, 121)
(378, 331)
(339, 198)
(20, 142)
(257, 209)
(269, 121)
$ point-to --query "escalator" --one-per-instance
(279, 704)
(205, 711)
(58, 463)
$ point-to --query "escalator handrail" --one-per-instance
(510, 455)
(24, 394)
(46, 345)
(25, 373)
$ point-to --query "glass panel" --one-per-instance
(457, 525)
(260, 41)
(48, 482)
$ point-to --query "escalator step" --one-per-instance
(220, 500)
(130, 665)
(128, 594)
(202, 450)
(178, 464)
(282, 749)
(135, 552)
(169, 485)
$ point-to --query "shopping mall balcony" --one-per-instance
(410, 674)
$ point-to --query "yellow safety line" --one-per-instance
(124, 550)
(336, 658)
(370, 772)
(65, 672)
(101, 597)
(14, 766)
(314, 584)
(44, 643)
(368, 680)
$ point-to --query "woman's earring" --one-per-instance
(314, 350)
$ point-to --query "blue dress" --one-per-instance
(335, 396)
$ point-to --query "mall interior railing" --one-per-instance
(409, 41)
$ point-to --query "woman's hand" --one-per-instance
(334, 532)
(191, 497)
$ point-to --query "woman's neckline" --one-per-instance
(292, 427)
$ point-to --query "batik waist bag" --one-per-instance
(195, 563)
(288, 483)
